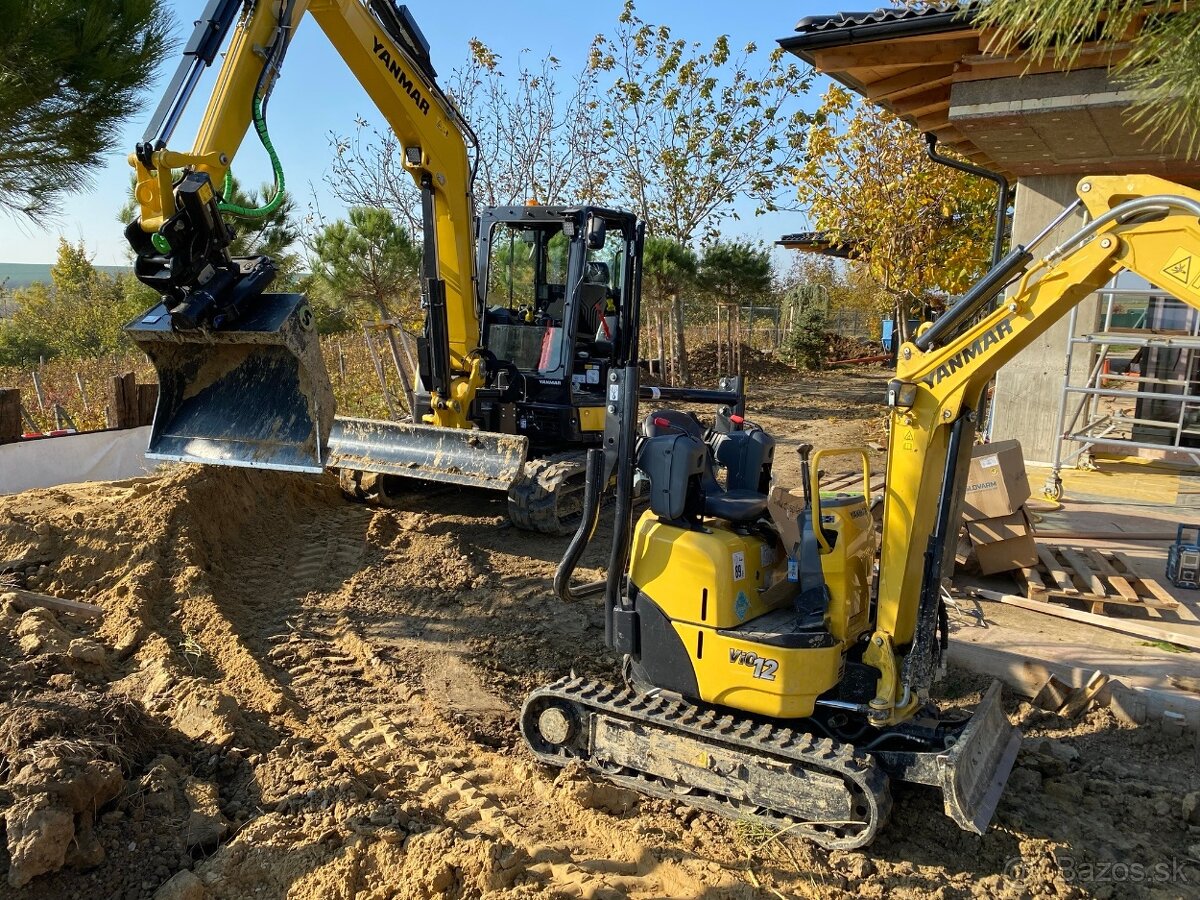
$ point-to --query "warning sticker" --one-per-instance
(908, 440)
(1179, 266)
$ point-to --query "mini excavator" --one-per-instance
(512, 365)
(770, 673)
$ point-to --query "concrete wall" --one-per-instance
(1029, 389)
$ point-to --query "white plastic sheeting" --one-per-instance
(91, 456)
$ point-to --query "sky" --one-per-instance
(316, 95)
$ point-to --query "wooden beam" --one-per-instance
(1125, 626)
(909, 80)
(891, 53)
(939, 107)
(984, 68)
(908, 104)
(28, 599)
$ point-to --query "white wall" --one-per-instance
(92, 456)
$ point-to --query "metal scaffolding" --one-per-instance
(1165, 391)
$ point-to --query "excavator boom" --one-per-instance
(242, 378)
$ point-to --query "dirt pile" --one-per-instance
(839, 346)
(761, 364)
(292, 696)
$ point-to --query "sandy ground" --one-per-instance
(293, 696)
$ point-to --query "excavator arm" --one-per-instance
(1138, 223)
(212, 300)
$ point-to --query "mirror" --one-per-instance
(597, 229)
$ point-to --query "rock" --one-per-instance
(1058, 750)
(85, 851)
(859, 867)
(39, 833)
(205, 825)
(1067, 791)
(1191, 808)
(86, 651)
(1024, 782)
(598, 795)
(182, 886)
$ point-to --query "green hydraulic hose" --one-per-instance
(257, 212)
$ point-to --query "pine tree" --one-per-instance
(71, 71)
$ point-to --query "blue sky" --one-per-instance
(317, 95)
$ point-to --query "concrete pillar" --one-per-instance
(1029, 389)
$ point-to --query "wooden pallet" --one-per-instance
(851, 483)
(1097, 577)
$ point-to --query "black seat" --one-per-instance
(738, 506)
(747, 456)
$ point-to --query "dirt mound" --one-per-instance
(839, 346)
(760, 364)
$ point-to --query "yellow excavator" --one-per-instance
(770, 673)
(522, 303)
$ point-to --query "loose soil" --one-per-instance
(294, 696)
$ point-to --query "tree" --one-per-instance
(535, 139)
(368, 171)
(806, 341)
(370, 261)
(72, 74)
(668, 267)
(79, 314)
(1160, 67)
(692, 130)
(734, 273)
(539, 135)
(922, 230)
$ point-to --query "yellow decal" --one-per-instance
(205, 192)
(908, 440)
(1179, 266)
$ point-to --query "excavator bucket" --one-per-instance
(453, 455)
(254, 395)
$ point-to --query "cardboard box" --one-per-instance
(1003, 543)
(996, 481)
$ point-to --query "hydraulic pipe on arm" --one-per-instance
(1138, 223)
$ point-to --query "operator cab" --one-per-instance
(553, 283)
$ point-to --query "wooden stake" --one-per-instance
(10, 415)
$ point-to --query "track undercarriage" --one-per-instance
(778, 774)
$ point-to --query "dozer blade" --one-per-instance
(971, 769)
(463, 456)
(255, 395)
(974, 770)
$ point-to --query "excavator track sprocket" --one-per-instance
(742, 768)
(548, 497)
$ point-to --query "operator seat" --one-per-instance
(683, 484)
(747, 455)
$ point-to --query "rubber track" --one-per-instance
(755, 739)
(533, 500)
